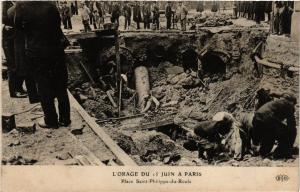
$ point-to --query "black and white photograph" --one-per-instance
(150, 83)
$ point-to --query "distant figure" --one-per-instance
(251, 6)
(156, 15)
(66, 16)
(127, 15)
(286, 18)
(115, 13)
(90, 5)
(259, 11)
(282, 17)
(97, 18)
(268, 10)
(168, 14)
(85, 16)
(278, 7)
(101, 14)
(146, 15)
(200, 6)
(74, 9)
(137, 15)
(183, 16)
(215, 7)
(235, 9)
(268, 126)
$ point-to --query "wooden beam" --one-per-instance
(119, 82)
(111, 144)
(69, 51)
(273, 65)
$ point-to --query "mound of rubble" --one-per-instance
(212, 20)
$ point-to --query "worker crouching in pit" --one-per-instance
(268, 127)
(221, 134)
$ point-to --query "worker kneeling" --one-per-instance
(268, 126)
(213, 135)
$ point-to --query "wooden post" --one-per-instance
(119, 84)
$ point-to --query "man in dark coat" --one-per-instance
(66, 16)
(21, 62)
(137, 15)
(45, 43)
(8, 41)
(115, 13)
(168, 15)
(146, 15)
(276, 21)
(285, 18)
(268, 126)
(156, 15)
(127, 15)
(259, 11)
(250, 10)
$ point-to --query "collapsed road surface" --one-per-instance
(149, 130)
(163, 91)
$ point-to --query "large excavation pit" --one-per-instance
(156, 136)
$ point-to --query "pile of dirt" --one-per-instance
(283, 50)
(152, 145)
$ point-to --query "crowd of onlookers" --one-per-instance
(33, 44)
(147, 13)
(278, 13)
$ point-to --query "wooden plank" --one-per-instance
(70, 51)
(89, 155)
(81, 35)
(116, 150)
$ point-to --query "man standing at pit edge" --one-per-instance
(45, 43)
(183, 16)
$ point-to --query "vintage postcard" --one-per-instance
(150, 96)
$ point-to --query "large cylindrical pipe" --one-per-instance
(142, 83)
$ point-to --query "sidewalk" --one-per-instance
(43, 146)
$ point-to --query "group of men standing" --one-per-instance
(92, 13)
(253, 10)
(34, 44)
(147, 12)
(278, 13)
